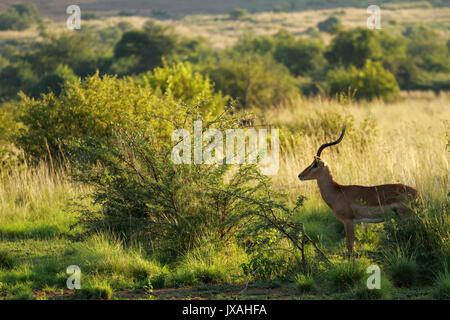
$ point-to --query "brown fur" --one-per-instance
(355, 203)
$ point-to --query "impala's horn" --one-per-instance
(331, 143)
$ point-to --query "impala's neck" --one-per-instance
(327, 185)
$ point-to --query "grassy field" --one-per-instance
(405, 141)
(56, 9)
(222, 31)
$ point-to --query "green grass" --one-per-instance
(7, 260)
(37, 243)
(361, 290)
(403, 270)
(441, 289)
(209, 265)
(305, 283)
(345, 275)
(34, 259)
(96, 289)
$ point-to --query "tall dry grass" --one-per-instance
(222, 31)
(37, 200)
(408, 144)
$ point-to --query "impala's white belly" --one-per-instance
(368, 220)
(373, 214)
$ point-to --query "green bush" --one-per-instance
(255, 80)
(265, 266)
(238, 13)
(160, 14)
(19, 16)
(3, 62)
(372, 81)
(141, 192)
(403, 270)
(125, 13)
(250, 43)
(75, 50)
(427, 49)
(425, 234)
(301, 57)
(15, 77)
(179, 83)
(91, 107)
(330, 24)
(354, 47)
(53, 81)
(89, 15)
(148, 47)
(267, 262)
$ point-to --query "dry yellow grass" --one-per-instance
(410, 145)
(222, 31)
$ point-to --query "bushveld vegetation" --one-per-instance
(86, 177)
(173, 10)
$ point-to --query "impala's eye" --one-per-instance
(314, 165)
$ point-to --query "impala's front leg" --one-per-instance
(349, 235)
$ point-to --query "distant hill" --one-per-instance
(178, 8)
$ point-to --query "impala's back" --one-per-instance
(373, 204)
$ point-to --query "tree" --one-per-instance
(372, 81)
(301, 56)
(427, 49)
(180, 83)
(53, 81)
(20, 16)
(148, 47)
(238, 13)
(330, 25)
(255, 80)
(248, 42)
(16, 77)
(74, 50)
(92, 106)
(3, 62)
(354, 47)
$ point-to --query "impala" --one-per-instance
(352, 204)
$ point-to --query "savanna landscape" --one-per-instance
(86, 135)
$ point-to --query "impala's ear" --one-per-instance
(316, 158)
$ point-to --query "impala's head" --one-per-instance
(315, 169)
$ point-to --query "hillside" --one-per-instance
(223, 31)
(55, 9)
